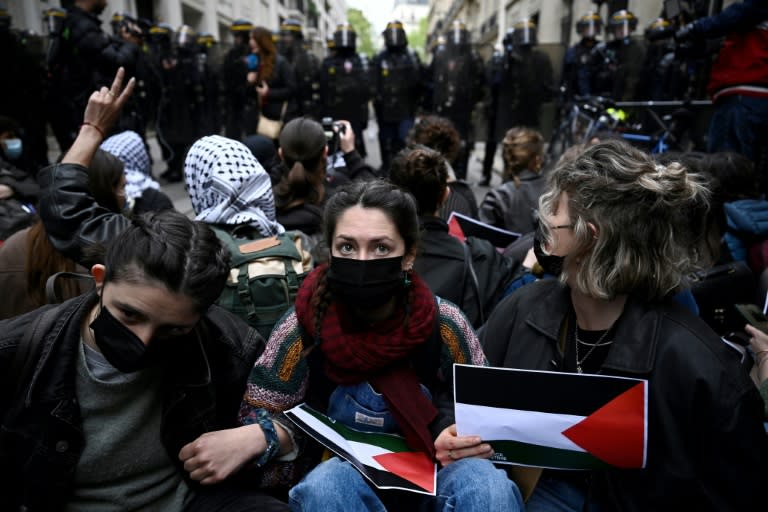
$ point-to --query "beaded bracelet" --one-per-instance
(270, 436)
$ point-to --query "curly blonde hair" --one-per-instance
(637, 224)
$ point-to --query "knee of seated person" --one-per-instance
(327, 481)
(474, 482)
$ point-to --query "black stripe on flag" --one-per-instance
(550, 392)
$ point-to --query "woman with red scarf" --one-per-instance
(371, 346)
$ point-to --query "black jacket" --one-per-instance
(73, 219)
(441, 262)
(511, 208)
(42, 439)
(707, 449)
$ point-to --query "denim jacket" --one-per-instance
(42, 438)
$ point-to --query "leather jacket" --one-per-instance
(73, 219)
(42, 439)
(511, 208)
(707, 448)
(441, 263)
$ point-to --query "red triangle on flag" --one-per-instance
(615, 433)
(412, 466)
(454, 228)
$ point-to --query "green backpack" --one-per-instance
(265, 276)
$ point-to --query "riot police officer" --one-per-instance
(617, 63)
(576, 75)
(306, 67)
(661, 76)
(234, 69)
(206, 64)
(181, 118)
(345, 84)
(86, 60)
(520, 80)
(398, 89)
(458, 78)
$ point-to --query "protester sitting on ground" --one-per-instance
(27, 259)
(471, 274)
(615, 228)
(142, 193)
(263, 148)
(438, 133)
(18, 189)
(512, 206)
(301, 191)
(365, 323)
(117, 355)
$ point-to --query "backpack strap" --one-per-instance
(50, 284)
(469, 270)
(23, 363)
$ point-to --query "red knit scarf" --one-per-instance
(354, 351)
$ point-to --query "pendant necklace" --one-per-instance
(599, 343)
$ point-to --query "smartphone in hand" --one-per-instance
(753, 315)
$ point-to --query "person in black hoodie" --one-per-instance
(471, 274)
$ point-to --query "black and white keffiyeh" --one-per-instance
(128, 147)
(227, 185)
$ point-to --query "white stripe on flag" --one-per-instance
(533, 427)
(365, 453)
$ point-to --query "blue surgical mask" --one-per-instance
(12, 148)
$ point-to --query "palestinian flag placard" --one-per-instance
(552, 419)
(384, 459)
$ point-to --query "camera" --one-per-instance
(333, 129)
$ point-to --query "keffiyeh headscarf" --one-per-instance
(227, 185)
(129, 149)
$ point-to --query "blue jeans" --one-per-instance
(555, 495)
(467, 485)
(739, 124)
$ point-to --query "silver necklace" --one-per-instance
(599, 343)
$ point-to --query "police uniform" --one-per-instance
(345, 85)
(458, 80)
(398, 89)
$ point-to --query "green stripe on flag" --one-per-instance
(392, 443)
(536, 455)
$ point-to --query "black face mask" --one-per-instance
(551, 264)
(366, 284)
(122, 349)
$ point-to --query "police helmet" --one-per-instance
(53, 20)
(622, 24)
(240, 26)
(161, 33)
(186, 37)
(509, 40)
(344, 37)
(524, 33)
(394, 35)
(206, 40)
(291, 28)
(590, 25)
(457, 35)
(658, 29)
(116, 21)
